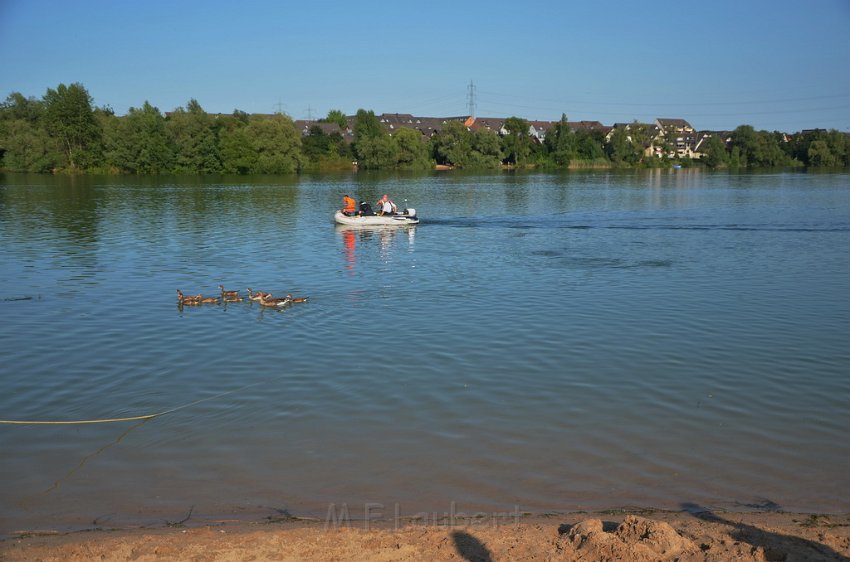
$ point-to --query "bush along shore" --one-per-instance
(63, 132)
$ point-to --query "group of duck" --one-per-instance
(265, 299)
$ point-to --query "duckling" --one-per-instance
(297, 299)
(258, 295)
(227, 298)
(226, 294)
(271, 301)
(209, 300)
(182, 299)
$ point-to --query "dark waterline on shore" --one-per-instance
(554, 342)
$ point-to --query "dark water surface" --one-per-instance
(553, 342)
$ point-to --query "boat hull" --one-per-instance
(386, 220)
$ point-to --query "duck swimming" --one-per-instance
(227, 294)
(182, 299)
(258, 295)
(275, 302)
(297, 299)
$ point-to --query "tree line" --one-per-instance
(64, 132)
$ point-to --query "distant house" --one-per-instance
(394, 121)
(651, 130)
(647, 134)
(679, 135)
(427, 126)
(702, 140)
(305, 127)
(588, 126)
(495, 124)
(538, 129)
(678, 125)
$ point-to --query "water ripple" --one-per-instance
(564, 342)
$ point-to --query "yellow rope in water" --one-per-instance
(130, 418)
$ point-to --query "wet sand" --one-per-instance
(616, 535)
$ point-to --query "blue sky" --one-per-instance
(776, 65)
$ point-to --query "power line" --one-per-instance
(660, 107)
(470, 96)
(676, 104)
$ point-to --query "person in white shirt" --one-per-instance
(386, 206)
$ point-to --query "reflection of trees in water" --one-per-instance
(249, 209)
(67, 204)
(516, 193)
(69, 217)
(74, 208)
(55, 216)
(463, 191)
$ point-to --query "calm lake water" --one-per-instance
(553, 342)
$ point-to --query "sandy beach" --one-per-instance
(616, 535)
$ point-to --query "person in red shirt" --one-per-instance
(349, 206)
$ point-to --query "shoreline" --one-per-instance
(639, 534)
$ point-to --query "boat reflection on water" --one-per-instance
(358, 240)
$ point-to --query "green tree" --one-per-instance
(239, 116)
(736, 158)
(277, 144)
(317, 145)
(338, 117)
(589, 145)
(715, 154)
(263, 146)
(452, 146)
(743, 145)
(372, 145)
(366, 126)
(27, 145)
(486, 150)
(17, 106)
(377, 153)
(839, 145)
(195, 140)
(412, 150)
(620, 148)
(144, 145)
(768, 151)
(28, 148)
(236, 148)
(560, 143)
(820, 155)
(757, 148)
(517, 143)
(70, 119)
(640, 137)
(667, 141)
(326, 150)
(113, 140)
